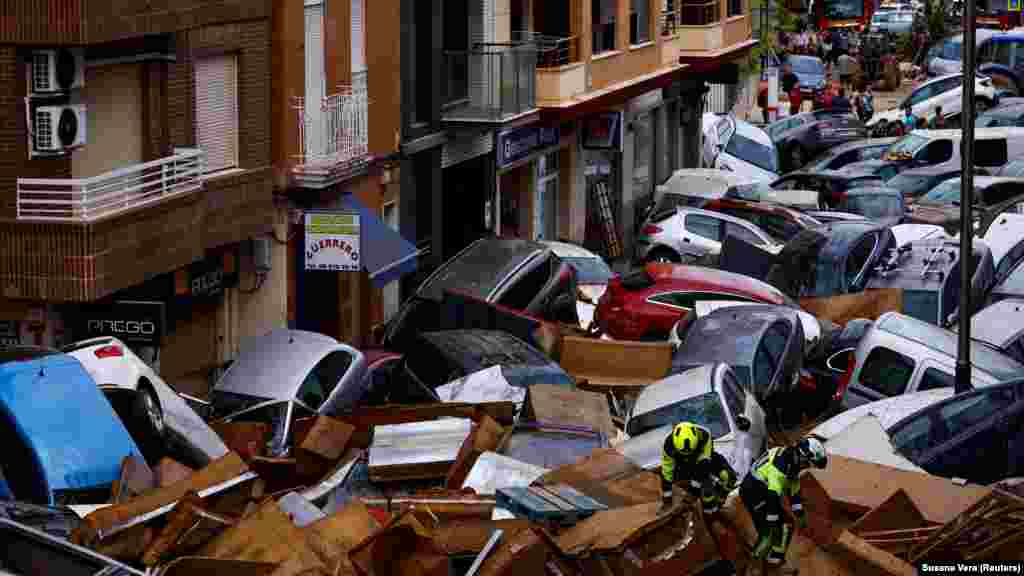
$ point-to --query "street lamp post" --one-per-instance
(963, 357)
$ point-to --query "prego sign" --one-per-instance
(132, 322)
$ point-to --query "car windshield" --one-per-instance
(951, 50)
(904, 148)
(806, 65)
(876, 206)
(705, 410)
(590, 270)
(947, 192)
(760, 155)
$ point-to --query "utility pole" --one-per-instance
(963, 357)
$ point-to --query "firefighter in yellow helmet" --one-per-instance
(689, 458)
(772, 477)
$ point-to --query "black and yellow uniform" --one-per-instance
(688, 457)
(772, 477)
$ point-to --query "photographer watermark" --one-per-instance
(970, 568)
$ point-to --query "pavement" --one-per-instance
(883, 101)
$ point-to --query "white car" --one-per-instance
(737, 146)
(149, 407)
(944, 91)
(708, 395)
(683, 235)
(592, 276)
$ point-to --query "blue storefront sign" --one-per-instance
(518, 143)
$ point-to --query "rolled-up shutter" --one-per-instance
(315, 136)
(466, 147)
(216, 89)
(358, 37)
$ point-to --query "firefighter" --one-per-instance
(689, 458)
(772, 477)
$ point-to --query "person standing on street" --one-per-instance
(847, 65)
(772, 478)
(790, 84)
(939, 121)
(688, 457)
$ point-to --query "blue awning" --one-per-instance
(385, 254)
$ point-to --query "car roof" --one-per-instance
(484, 348)
(567, 250)
(1000, 323)
(832, 174)
(274, 365)
(874, 191)
(480, 267)
(681, 273)
(730, 335)
(687, 384)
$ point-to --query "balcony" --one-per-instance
(333, 136)
(88, 200)
(698, 27)
(491, 83)
(560, 73)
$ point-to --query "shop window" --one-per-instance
(643, 156)
(603, 13)
(735, 8)
(456, 51)
(639, 21)
(545, 226)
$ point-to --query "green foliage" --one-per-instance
(781, 19)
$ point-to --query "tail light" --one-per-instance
(651, 229)
(844, 382)
(109, 352)
(615, 292)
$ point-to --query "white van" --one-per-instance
(993, 147)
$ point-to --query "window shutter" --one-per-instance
(315, 135)
(358, 37)
(216, 89)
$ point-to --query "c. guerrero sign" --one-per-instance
(332, 242)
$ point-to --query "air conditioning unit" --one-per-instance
(58, 128)
(55, 71)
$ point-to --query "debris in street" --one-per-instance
(417, 450)
(549, 404)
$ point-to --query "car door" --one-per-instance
(747, 233)
(715, 139)
(768, 370)
(726, 130)
(858, 261)
(747, 445)
(884, 374)
(947, 94)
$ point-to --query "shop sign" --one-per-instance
(9, 333)
(208, 278)
(332, 241)
(133, 322)
(518, 143)
(603, 131)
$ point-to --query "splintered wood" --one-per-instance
(980, 533)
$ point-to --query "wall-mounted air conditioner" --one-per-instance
(55, 71)
(56, 129)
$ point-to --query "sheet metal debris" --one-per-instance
(417, 449)
(487, 385)
(492, 471)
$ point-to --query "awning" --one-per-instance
(385, 254)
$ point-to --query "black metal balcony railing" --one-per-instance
(699, 13)
(490, 81)
(555, 51)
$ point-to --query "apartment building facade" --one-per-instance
(136, 177)
(336, 110)
(553, 120)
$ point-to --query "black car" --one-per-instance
(916, 182)
(521, 275)
(883, 204)
(838, 156)
(829, 184)
(884, 169)
(973, 435)
(802, 136)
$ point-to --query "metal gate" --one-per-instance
(721, 98)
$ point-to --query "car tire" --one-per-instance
(149, 411)
(663, 255)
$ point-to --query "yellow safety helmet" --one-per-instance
(685, 437)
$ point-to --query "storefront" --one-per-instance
(601, 142)
(529, 185)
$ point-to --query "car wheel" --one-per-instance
(663, 256)
(148, 410)
(797, 157)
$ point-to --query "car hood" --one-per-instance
(907, 233)
(645, 450)
(69, 426)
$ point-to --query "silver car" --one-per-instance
(686, 234)
(708, 395)
(289, 374)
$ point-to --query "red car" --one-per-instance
(646, 304)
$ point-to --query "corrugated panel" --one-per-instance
(41, 21)
(721, 98)
(466, 147)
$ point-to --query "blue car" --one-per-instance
(63, 443)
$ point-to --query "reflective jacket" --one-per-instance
(777, 471)
(691, 469)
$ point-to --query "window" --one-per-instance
(639, 21)
(735, 8)
(997, 194)
(456, 51)
(937, 152)
(886, 372)
(934, 378)
(216, 93)
(779, 227)
(603, 13)
(858, 258)
(704, 226)
(769, 354)
(761, 155)
(915, 437)
(423, 41)
(735, 397)
(323, 378)
(921, 94)
(982, 457)
(705, 410)
(1001, 53)
(963, 413)
(741, 232)
(688, 300)
(526, 288)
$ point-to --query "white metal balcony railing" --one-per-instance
(334, 136)
(105, 195)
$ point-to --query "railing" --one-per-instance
(490, 81)
(668, 22)
(336, 133)
(554, 51)
(699, 13)
(103, 196)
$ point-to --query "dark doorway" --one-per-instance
(465, 198)
(317, 305)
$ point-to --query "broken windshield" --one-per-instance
(705, 410)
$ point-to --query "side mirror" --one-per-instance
(743, 423)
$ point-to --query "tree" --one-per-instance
(780, 19)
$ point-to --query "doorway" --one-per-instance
(465, 204)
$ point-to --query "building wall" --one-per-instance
(384, 64)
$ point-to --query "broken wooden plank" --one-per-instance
(563, 406)
(486, 436)
(202, 566)
(169, 472)
(183, 517)
(874, 556)
(136, 479)
(328, 438)
(615, 363)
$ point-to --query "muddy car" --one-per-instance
(837, 157)
(993, 196)
(521, 275)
